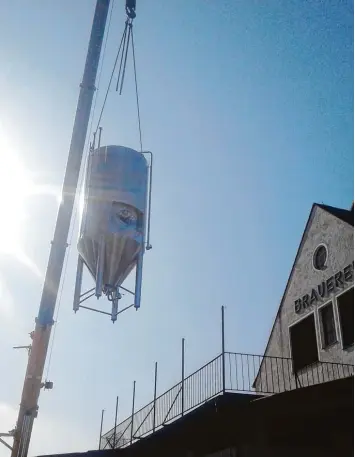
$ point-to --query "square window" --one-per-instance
(329, 335)
(346, 317)
(304, 343)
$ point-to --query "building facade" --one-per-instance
(315, 319)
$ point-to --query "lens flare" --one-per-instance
(16, 187)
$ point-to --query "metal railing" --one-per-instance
(231, 372)
(271, 375)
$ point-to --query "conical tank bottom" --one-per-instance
(120, 254)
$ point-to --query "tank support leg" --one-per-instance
(116, 296)
(100, 268)
(139, 277)
(78, 282)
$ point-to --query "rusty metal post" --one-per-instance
(155, 394)
(223, 355)
(116, 416)
(133, 399)
(182, 376)
(102, 421)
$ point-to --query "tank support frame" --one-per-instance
(114, 293)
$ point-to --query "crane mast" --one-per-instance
(44, 321)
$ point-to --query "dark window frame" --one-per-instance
(296, 366)
(326, 344)
(323, 265)
(350, 345)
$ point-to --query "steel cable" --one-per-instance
(111, 77)
(137, 93)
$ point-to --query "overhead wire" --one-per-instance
(99, 78)
(111, 78)
(123, 48)
(137, 93)
(125, 52)
(81, 179)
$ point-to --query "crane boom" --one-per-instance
(44, 321)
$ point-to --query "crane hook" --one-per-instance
(131, 8)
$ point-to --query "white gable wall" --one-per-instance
(338, 236)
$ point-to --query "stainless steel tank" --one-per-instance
(112, 230)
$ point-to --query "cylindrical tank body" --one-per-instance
(113, 223)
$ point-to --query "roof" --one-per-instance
(342, 214)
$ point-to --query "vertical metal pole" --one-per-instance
(223, 355)
(116, 415)
(133, 399)
(182, 375)
(41, 337)
(78, 283)
(155, 394)
(100, 133)
(102, 422)
(149, 202)
(139, 278)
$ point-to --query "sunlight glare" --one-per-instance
(15, 188)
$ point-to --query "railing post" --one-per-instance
(102, 421)
(155, 394)
(297, 381)
(182, 374)
(223, 355)
(133, 399)
(116, 415)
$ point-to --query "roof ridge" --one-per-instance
(346, 215)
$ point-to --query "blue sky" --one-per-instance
(248, 108)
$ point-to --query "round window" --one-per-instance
(320, 257)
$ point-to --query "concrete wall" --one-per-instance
(338, 237)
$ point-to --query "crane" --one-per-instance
(43, 324)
